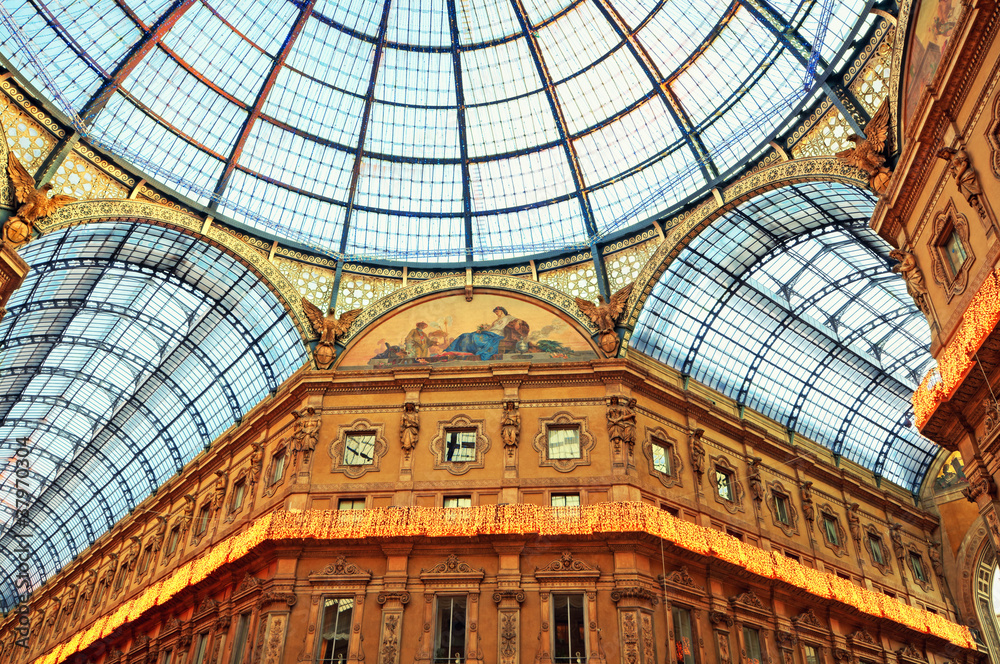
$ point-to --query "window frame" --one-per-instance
(459, 465)
(239, 646)
(563, 421)
(321, 626)
(451, 597)
(659, 437)
(675, 632)
(553, 497)
(353, 502)
(721, 465)
(571, 658)
(456, 497)
(338, 448)
(200, 648)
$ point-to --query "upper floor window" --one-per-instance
(199, 649)
(351, 504)
(830, 529)
(565, 500)
(460, 445)
(239, 494)
(812, 654)
(147, 556)
(569, 644)
(359, 448)
(724, 484)
(449, 635)
(875, 546)
(954, 249)
(458, 501)
(917, 562)
(175, 536)
(662, 454)
(203, 516)
(336, 636)
(781, 508)
(278, 466)
(167, 657)
(564, 442)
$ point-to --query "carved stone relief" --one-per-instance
(945, 222)
(563, 420)
(347, 463)
(439, 445)
(659, 436)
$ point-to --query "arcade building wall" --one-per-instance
(543, 504)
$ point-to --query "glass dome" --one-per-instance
(431, 131)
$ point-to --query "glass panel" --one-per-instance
(350, 504)
(956, 252)
(781, 508)
(564, 443)
(830, 530)
(279, 467)
(240, 640)
(336, 635)
(661, 458)
(565, 500)
(458, 501)
(460, 446)
(449, 640)
(240, 493)
(359, 448)
(199, 653)
(918, 566)
(683, 637)
(723, 481)
(876, 547)
(569, 644)
(812, 655)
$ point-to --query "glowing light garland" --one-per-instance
(955, 361)
(326, 525)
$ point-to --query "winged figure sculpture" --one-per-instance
(605, 316)
(34, 202)
(328, 327)
(868, 154)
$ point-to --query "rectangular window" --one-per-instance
(351, 504)
(203, 517)
(683, 638)
(460, 445)
(239, 493)
(565, 500)
(830, 529)
(662, 454)
(724, 483)
(781, 508)
(568, 636)
(793, 556)
(812, 654)
(336, 635)
(175, 537)
(564, 443)
(955, 250)
(167, 656)
(917, 561)
(240, 642)
(458, 501)
(359, 448)
(199, 649)
(449, 639)
(278, 464)
(751, 640)
(147, 556)
(875, 544)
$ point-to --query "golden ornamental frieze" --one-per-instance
(87, 153)
(823, 169)
(96, 211)
(884, 31)
(639, 238)
(421, 289)
(563, 262)
(36, 113)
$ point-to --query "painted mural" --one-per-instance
(952, 473)
(449, 330)
(932, 26)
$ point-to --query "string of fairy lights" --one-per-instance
(520, 519)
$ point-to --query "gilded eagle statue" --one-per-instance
(34, 203)
(868, 154)
(605, 316)
(328, 328)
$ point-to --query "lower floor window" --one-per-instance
(751, 640)
(449, 641)
(336, 636)
(683, 638)
(812, 654)
(568, 643)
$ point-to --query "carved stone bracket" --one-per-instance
(273, 596)
(634, 592)
(721, 618)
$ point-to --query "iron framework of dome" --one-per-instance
(434, 131)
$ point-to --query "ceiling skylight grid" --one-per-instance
(604, 61)
(783, 305)
(105, 388)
